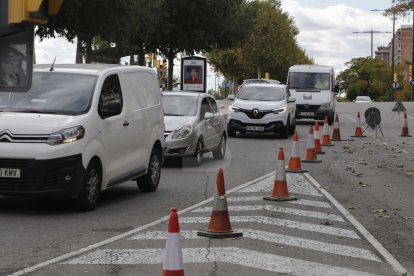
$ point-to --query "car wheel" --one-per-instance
(292, 127)
(91, 188)
(198, 157)
(220, 151)
(284, 133)
(149, 182)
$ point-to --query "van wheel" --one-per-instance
(220, 151)
(149, 182)
(91, 188)
(331, 118)
(198, 157)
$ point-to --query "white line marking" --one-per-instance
(296, 184)
(397, 267)
(281, 222)
(127, 234)
(337, 249)
(234, 255)
(271, 208)
(306, 202)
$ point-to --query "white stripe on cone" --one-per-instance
(173, 258)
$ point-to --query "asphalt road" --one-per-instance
(370, 177)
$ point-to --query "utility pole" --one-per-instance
(372, 32)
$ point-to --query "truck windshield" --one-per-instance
(309, 81)
(52, 93)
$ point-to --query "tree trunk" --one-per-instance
(170, 71)
(88, 51)
(79, 55)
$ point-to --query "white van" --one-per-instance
(81, 129)
(314, 88)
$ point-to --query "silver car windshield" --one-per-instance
(259, 93)
(179, 105)
(52, 93)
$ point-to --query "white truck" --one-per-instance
(314, 88)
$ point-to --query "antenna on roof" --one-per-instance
(51, 68)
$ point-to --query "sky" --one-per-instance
(326, 31)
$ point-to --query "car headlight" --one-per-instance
(279, 110)
(233, 108)
(66, 136)
(325, 106)
(182, 132)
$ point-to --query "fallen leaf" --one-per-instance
(399, 166)
(326, 222)
(409, 173)
(359, 174)
(362, 184)
(387, 185)
(351, 208)
(379, 211)
(382, 216)
(410, 217)
(325, 187)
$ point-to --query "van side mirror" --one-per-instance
(111, 109)
(336, 88)
(208, 115)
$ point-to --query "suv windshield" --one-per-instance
(309, 81)
(54, 93)
(260, 93)
(180, 105)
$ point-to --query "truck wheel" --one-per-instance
(91, 188)
(149, 182)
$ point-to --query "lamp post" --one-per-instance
(372, 38)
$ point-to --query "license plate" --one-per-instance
(11, 173)
(307, 113)
(255, 128)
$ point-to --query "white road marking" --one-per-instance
(233, 255)
(337, 249)
(296, 184)
(306, 202)
(281, 222)
(271, 208)
(397, 267)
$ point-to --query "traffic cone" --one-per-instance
(294, 160)
(317, 139)
(404, 131)
(310, 149)
(358, 128)
(173, 259)
(219, 226)
(336, 135)
(326, 140)
(280, 189)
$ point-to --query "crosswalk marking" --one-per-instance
(285, 210)
(234, 255)
(281, 222)
(305, 202)
(337, 249)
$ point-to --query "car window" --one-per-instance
(179, 105)
(111, 92)
(213, 105)
(257, 93)
(205, 107)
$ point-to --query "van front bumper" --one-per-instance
(59, 177)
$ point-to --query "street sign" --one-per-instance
(395, 85)
(412, 83)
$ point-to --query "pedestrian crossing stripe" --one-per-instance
(304, 202)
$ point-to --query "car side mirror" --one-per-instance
(291, 100)
(208, 115)
(230, 97)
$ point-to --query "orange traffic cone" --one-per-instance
(317, 139)
(173, 259)
(219, 226)
(326, 140)
(336, 135)
(358, 128)
(280, 189)
(404, 131)
(310, 149)
(294, 160)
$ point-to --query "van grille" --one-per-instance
(6, 136)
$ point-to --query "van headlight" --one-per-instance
(279, 110)
(66, 136)
(182, 132)
(325, 106)
(233, 108)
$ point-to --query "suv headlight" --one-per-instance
(279, 110)
(66, 136)
(325, 106)
(182, 132)
(233, 108)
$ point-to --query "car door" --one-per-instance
(112, 130)
(206, 124)
(216, 122)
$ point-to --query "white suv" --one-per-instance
(81, 129)
(262, 108)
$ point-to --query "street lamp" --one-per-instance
(372, 38)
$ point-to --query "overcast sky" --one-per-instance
(326, 31)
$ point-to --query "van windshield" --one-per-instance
(309, 81)
(52, 93)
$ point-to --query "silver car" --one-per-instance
(193, 126)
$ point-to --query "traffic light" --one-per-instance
(32, 11)
(395, 79)
(410, 70)
(267, 75)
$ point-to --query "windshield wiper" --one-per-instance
(167, 114)
(36, 111)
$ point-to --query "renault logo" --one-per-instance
(255, 112)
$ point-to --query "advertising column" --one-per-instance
(193, 74)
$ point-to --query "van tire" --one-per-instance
(220, 151)
(331, 118)
(90, 189)
(149, 182)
